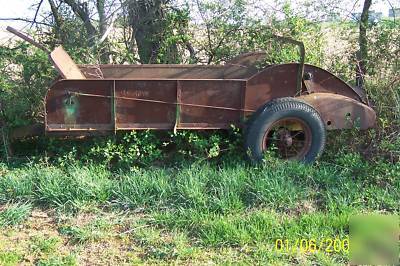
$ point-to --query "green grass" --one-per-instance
(232, 212)
(9, 258)
(205, 187)
(93, 231)
(69, 260)
(45, 245)
(14, 214)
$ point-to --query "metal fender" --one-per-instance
(341, 112)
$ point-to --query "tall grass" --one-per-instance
(227, 203)
(217, 205)
(14, 214)
(348, 182)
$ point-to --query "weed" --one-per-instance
(160, 245)
(9, 258)
(69, 260)
(91, 232)
(14, 214)
(44, 245)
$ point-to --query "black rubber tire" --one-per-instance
(276, 110)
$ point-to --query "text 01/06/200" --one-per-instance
(328, 245)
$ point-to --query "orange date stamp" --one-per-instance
(327, 245)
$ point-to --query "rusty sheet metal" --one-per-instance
(163, 71)
(225, 93)
(119, 100)
(67, 112)
(143, 104)
(319, 80)
(281, 81)
(88, 105)
(273, 82)
(139, 114)
(118, 104)
(341, 112)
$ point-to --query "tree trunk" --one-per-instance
(104, 52)
(362, 54)
(82, 11)
(58, 21)
(147, 20)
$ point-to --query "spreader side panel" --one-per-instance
(341, 112)
(271, 83)
(281, 81)
(83, 106)
(145, 104)
(67, 111)
(210, 103)
(320, 80)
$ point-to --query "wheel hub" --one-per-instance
(291, 136)
(286, 138)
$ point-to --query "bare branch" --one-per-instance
(37, 12)
(56, 15)
(81, 10)
(25, 20)
(392, 7)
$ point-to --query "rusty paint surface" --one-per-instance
(224, 93)
(190, 97)
(86, 105)
(273, 82)
(161, 71)
(135, 114)
(67, 112)
(341, 112)
(320, 80)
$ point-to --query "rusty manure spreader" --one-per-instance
(286, 106)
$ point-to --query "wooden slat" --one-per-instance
(65, 65)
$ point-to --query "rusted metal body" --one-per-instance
(102, 99)
(193, 97)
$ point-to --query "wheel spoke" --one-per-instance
(294, 149)
(290, 137)
(295, 135)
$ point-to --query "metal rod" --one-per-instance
(178, 107)
(28, 39)
(162, 102)
(114, 114)
(302, 51)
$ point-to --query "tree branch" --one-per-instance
(56, 15)
(392, 7)
(25, 20)
(363, 43)
(81, 10)
(37, 11)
